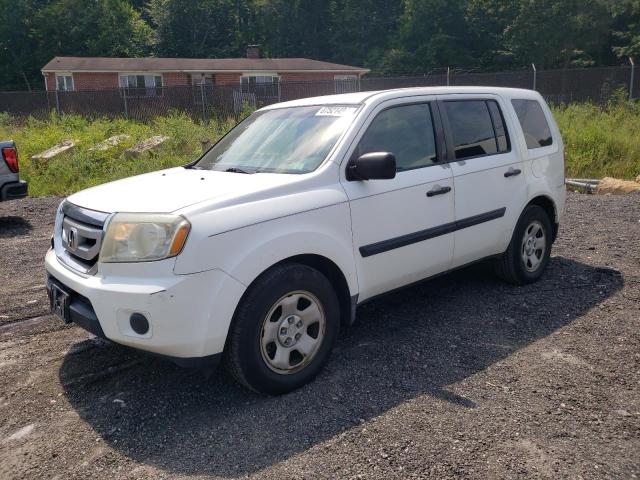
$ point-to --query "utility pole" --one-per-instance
(124, 99)
(204, 114)
(535, 75)
(633, 72)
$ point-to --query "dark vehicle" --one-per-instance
(11, 187)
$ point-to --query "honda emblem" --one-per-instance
(72, 238)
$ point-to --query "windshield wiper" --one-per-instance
(235, 170)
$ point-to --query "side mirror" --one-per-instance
(372, 166)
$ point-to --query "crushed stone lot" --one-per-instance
(461, 376)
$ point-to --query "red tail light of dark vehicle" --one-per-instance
(10, 155)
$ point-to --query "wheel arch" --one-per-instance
(337, 278)
(549, 206)
(334, 274)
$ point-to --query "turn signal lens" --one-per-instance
(180, 239)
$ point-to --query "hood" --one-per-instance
(169, 190)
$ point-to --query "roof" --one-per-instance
(382, 95)
(152, 64)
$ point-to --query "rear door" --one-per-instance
(490, 187)
(402, 227)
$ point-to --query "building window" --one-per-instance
(141, 85)
(346, 83)
(64, 83)
(200, 78)
(263, 85)
(202, 87)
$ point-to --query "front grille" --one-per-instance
(81, 237)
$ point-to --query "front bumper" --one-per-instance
(189, 315)
(14, 190)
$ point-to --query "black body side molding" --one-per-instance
(422, 235)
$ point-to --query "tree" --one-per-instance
(34, 31)
(626, 28)
(431, 33)
(388, 36)
(199, 28)
(549, 33)
(107, 28)
(17, 46)
(295, 28)
(361, 30)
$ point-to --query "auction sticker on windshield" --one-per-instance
(335, 111)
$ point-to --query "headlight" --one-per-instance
(143, 237)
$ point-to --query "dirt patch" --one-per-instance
(26, 227)
(462, 376)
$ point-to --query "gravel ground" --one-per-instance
(462, 376)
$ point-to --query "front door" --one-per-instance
(400, 225)
(490, 187)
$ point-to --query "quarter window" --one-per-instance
(533, 122)
(477, 128)
(407, 132)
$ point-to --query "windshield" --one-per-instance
(284, 140)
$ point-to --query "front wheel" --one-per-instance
(283, 330)
(528, 253)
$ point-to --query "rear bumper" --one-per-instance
(14, 190)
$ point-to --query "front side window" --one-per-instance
(283, 140)
(64, 83)
(533, 122)
(406, 132)
(471, 128)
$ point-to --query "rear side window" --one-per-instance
(477, 128)
(533, 122)
(407, 132)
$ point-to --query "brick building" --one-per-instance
(148, 76)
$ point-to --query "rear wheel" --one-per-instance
(528, 253)
(283, 330)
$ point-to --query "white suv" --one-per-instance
(260, 251)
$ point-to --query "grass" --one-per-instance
(80, 168)
(600, 142)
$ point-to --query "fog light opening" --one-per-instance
(139, 323)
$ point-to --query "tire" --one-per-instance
(516, 265)
(275, 323)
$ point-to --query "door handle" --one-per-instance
(512, 172)
(437, 190)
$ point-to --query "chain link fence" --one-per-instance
(204, 102)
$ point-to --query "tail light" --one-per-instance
(10, 155)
